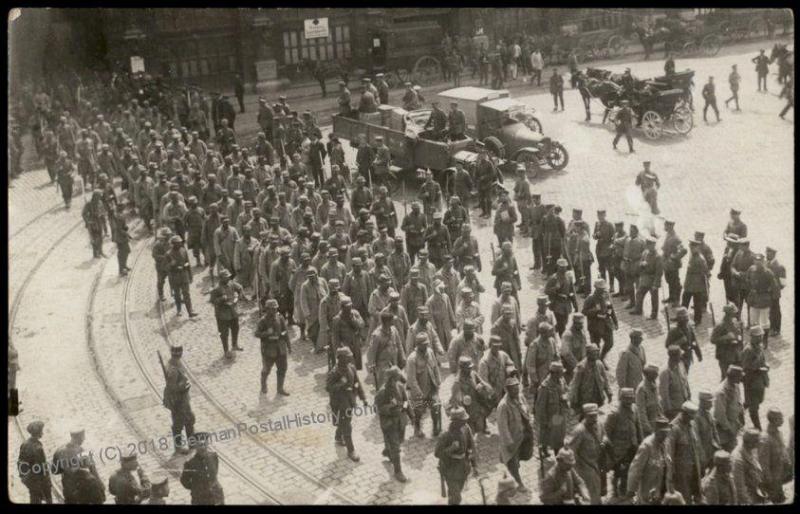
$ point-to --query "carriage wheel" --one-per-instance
(689, 48)
(558, 158)
(758, 28)
(682, 120)
(616, 46)
(711, 45)
(652, 124)
(427, 70)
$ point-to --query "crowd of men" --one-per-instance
(395, 302)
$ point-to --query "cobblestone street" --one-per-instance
(87, 339)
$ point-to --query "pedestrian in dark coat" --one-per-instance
(33, 467)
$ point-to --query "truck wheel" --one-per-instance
(494, 146)
(558, 158)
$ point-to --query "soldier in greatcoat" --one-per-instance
(514, 430)
(717, 486)
(706, 430)
(32, 465)
(631, 363)
(622, 438)
(728, 408)
(346, 330)
(495, 366)
(552, 410)
(573, 345)
(177, 400)
(561, 484)
(129, 485)
(762, 287)
(590, 384)
(683, 455)
(651, 268)
(585, 441)
(344, 386)
(423, 381)
(391, 401)
(180, 275)
(673, 383)
(727, 338)
(385, 350)
(756, 374)
(199, 474)
(776, 467)
(540, 354)
(648, 470)
(472, 393)
(457, 454)
(272, 331)
(747, 473)
(224, 239)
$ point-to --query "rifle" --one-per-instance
(571, 283)
(666, 317)
(442, 483)
(405, 205)
(491, 246)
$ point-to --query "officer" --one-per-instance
(756, 374)
(683, 335)
(727, 338)
(561, 292)
(391, 401)
(177, 400)
(199, 474)
(647, 403)
(457, 455)
(717, 487)
(180, 275)
(456, 122)
(552, 410)
(272, 330)
(647, 471)
(585, 441)
(672, 252)
(624, 122)
(33, 467)
(386, 349)
(604, 235)
(631, 363)
(779, 271)
(601, 316)
(562, 485)
(710, 96)
(414, 226)
(728, 408)
(129, 488)
(622, 438)
(423, 380)
(683, 455)
(343, 385)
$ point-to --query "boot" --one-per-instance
(281, 390)
(264, 377)
(436, 416)
(398, 470)
(417, 430)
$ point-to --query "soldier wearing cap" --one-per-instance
(430, 194)
(94, 219)
(561, 291)
(194, 219)
(602, 317)
(333, 269)
(542, 314)
(515, 430)
(273, 331)
(67, 461)
(177, 400)
(160, 250)
(180, 275)
(552, 410)
(622, 438)
(590, 384)
(494, 367)
(683, 335)
(779, 271)
(33, 467)
(385, 350)
(648, 468)
(728, 408)
(740, 265)
(731, 248)
(726, 336)
(683, 455)
(562, 485)
(472, 393)
(573, 345)
(717, 486)
(506, 299)
(604, 235)
(624, 123)
(648, 181)
(486, 175)
(504, 220)
(344, 386)
(631, 363)
(225, 238)
(329, 308)
(199, 474)
(346, 330)
(436, 126)
(469, 320)
(647, 402)
(706, 429)
(756, 374)
(735, 225)
(507, 328)
(747, 473)
(422, 374)
(673, 383)
(344, 99)
(542, 352)
(672, 253)
(618, 259)
(413, 295)
(774, 459)
(438, 240)
(632, 251)
(457, 454)
(414, 226)
(126, 487)
(762, 288)
(391, 401)
(159, 489)
(455, 217)
(585, 442)
(311, 293)
(651, 268)
(382, 161)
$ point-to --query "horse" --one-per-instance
(785, 58)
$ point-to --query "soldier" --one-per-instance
(344, 99)
(87, 488)
(414, 226)
(385, 214)
(756, 377)
(365, 155)
(382, 162)
(631, 363)
(94, 220)
(462, 184)
(651, 267)
(624, 122)
(449, 278)
(728, 408)
(673, 383)
(562, 485)
(631, 257)
(683, 455)
(561, 292)
(717, 486)
(486, 177)
(724, 274)
(672, 253)
(437, 238)
(224, 239)
(383, 89)
(522, 195)
(706, 430)
(33, 467)
(536, 216)
(472, 393)
(590, 384)
(431, 196)
(557, 89)
(552, 410)
(727, 338)
(504, 221)
(469, 311)
(710, 96)
(696, 282)
(602, 317)
(127, 488)
(515, 430)
(159, 489)
(762, 68)
(177, 400)
(622, 438)
(647, 403)
(180, 275)
(543, 313)
(386, 349)
(683, 335)
(747, 473)
(423, 380)
(540, 354)
(436, 126)
(779, 271)
(776, 467)
(573, 345)
(604, 235)
(648, 181)
(585, 442)
(391, 401)
(346, 330)
(507, 329)
(734, 79)
(505, 269)
(741, 264)
(456, 122)
(66, 178)
(762, 287)
(199, 474)
(272, 330)
(617, 259)
(457, 455)
(648, 469)
(225, 297)
(583, 259)
(343, 385)
(67, 460)
(442, 314)
(194, 219)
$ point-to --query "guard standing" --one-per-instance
(33, 467)
(710, 96)
(456, 452)
(272, 330)
(536, 216)
(624, 122)
(343, 386)
(762, 68)
(392, 404)
(604, 235)
(199, 474)
(177, 400)
(756, 377)
(779, 271)
(225, 297)
(180, 275)
(673, 252)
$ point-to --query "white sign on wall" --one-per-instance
(137, 64)
(318, 27)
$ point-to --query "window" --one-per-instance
(336, 46)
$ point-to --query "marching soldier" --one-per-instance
(631, 258)
(747, 474)
(343, 386)
(741, 264)
(696, 282)
(494, 367)
(225, 297)
(386, 350)
(536, 216)
(779, 271)
(199, 474)
(631, 363)
(756, 377)
(344, 99)
(472, 393)
(602, 318)
(505, 269)
(727, 338)
(624, 122)
(585, 441)
(673, 383)
(672, 254)
(682, 335)
(159, 489)
(522, 195)
(622, 438)
(552, 411)
(683, 455)
(710, 96)
(648, 181)
(648, 469)
(455, 217)
(414, 226)
(515, 430)
(717, 487)
(562, 485)
(762, 288)
(604, 235)
(728, 408)
(438, 239)
(126, 487)
(347, 328)
(651, 267)
(94, 220)
(617, 259)
(774, 459)
(541, 353)
(573, 345)
(382, 162)
(68, 461)
(706, 430)
(431, 196)
(486, 177)
(391, 401)
(272, 330)
(561, 292)
(457, 455)
(647, 403)
(180, 275)
(590, 384)
(33, 467)
(177, 400)
(466, 342)
(423, 380)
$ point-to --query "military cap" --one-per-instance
(176, 350)
(469, 268)
(159, 480)
(536, 195)
(356, 261)
(394, 373)
(651, 240)
(733, 369)
(562, 263)
(735, 212)
(77, 431)
(661, 422)
(758, 256)
(652, 368)
(224, 217)
(704, 396)
(506, 484)
(464, 362)
(506, 245)
(343, 352)
(512, 381)
(771, 250)
(384, 278)
(283, 251)
(437, 215)
(578, 316)
(305, 256)
(378, 138)
(224, 273)
(421, 337)
(673, 349)
(423, 252)
(506, 287)
(542, 300)
(507, 309)
(636, 334)
(35, 427)
(592, 348)
(495, 341)
(756, 330)
(577, 212)
(128, 458)
(674, 498)
(600, 284)
(590, 409)
(682, 313)
(468, 324)
(689, 406)
(619, 223)
(202, 438)
(422, 309)
(398, 239)
(387, 316)
(407, 84)
(566, 455)
(311, 271)
(774, 414)
(459, 413)
(333, 252)
(271, 303)
(627, 392)
(721, 457)
(393, 295)
(417, 88)
(625, 102)
(729, 308)
(164, 232)
(556, 366)
(751, 435)
(175, 239)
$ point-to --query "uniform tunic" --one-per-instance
(683, 458)
(673, 388)
(728, 414)
(630, 367)
(385, 350)
(552, 412)
(586, 444)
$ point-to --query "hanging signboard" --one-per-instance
(137, 64)
(316, 28)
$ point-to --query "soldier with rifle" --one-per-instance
(561, 292)
(727, 338)
(457, 456)
(393, 411)
(682, 335)
(176, 398)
